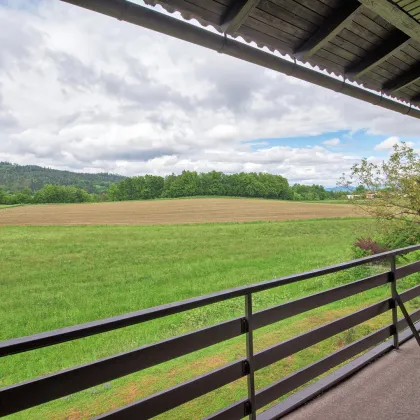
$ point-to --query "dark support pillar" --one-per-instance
(398, 302)
(395, 304)
(408, 319)
(250, 357)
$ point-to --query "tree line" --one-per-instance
(48, 194)
(187, 184)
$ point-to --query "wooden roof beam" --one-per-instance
(403, 80)
(396, 16)
(390, 46)
(334, 24)
(236, 14)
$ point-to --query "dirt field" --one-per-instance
(200, 210)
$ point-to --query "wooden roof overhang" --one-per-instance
(375, 43)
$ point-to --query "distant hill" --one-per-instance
(16, 178)
(337, 189)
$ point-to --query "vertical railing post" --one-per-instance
(395, 303)
(251, 410)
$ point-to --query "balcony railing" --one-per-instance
(44, 389)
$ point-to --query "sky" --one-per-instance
(85, 92)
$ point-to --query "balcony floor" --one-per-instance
(389, 388)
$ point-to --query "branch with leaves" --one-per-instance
(395, 184)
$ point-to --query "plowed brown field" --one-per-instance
(199, 210)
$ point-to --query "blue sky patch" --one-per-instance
(358, 143)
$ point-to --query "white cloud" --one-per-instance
(86, 92)
(390, 142)
(332, 142)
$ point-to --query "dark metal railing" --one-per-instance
(41, 390)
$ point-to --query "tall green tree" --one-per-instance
(395, 184)
(3, 196)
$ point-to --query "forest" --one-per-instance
(15, 178)
(41, 185)
(191, 183)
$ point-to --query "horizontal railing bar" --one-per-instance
(235, 411)
(307, 339)
(298, 306)
(408, 269)
(61, 335)
(401, 251)
(41, 390)
(300, 377)
(28, 394)
(311, 391)
(170, 398)
(410, 293)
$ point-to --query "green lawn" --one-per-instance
(58, 276)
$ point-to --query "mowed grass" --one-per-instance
(53, 277)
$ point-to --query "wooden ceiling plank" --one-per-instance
(277, 22)
(371, 23)
(286, 15)
(357, 50)
(316, 6)
(236, 15)
(278, 33)
(392, 13)
(333, 25)
(404, 3)
(188, 10)
(415, 11)
(394, 43)
(356, 39)
(403, 80)
(249, 33)
(299, 10)
(412, 6)
(396, 64)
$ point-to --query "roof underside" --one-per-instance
(412, 7)
(376, 44)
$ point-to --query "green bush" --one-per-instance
(393, 235)
(401, 234)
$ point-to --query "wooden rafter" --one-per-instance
(236, 15)
(332, 26)
(390, 46)
(403, 80)
(396, 16)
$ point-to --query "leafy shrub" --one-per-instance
(401, 234)
(364, 247)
